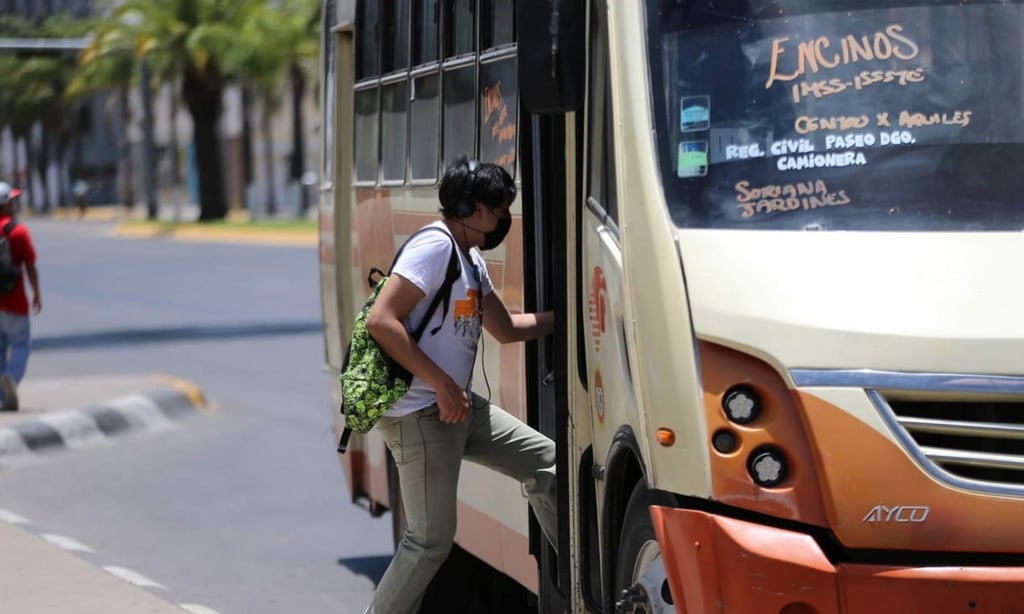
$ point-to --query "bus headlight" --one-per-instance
(741, 404)
(767, 466)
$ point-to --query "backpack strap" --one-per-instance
(444, 293)
(443, 296)
(9, 228)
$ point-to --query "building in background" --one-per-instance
(108, 149)
(41, 9)
(93, 152)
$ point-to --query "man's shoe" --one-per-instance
(10, 393)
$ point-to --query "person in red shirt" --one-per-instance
(15, 334)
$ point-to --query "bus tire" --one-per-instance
(398, 523)
(641, 582)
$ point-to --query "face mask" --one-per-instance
(494, 238)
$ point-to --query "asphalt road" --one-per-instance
(243, 509)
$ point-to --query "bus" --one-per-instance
(779, 238)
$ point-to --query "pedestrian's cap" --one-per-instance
(8, 193)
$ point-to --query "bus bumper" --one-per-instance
(719, 564)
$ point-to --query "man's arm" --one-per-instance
(508, 327)
(384, 323)
(33, 280)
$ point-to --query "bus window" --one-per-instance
(497, 23)
(396, 28)
(459, 103)
(460, 30)
(425, 137)
(367, 57)
(367, 133)
(602, 145)
(330, 19)
(499, 101)
(394, 111)
(425, 31)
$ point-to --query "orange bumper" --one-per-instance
(718, 564)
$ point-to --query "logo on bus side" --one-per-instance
(598, 307)
(599, 394)
(897, 513)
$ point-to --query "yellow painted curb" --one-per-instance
(191, 391)
(192, 233)
(95, 213)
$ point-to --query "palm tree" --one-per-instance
(188, 39)
(8, 64)
(300, 47)
(276, 42)
(100, 72)
(39, 97)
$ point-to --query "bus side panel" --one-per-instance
(374, 247)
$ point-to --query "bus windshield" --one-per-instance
(839, 115)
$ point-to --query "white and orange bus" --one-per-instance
(780, 237)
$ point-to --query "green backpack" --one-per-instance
(371, 381)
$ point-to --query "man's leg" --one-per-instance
(17, 332)
(5, 341)
(428, 454)
(499, 440)
(8, 393)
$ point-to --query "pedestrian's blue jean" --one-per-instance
(14, 345)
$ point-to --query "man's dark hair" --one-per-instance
(467, 181)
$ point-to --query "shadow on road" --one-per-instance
(370, 566)
(134, 336)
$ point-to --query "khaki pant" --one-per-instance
(428, 454)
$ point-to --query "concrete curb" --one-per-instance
(79, 427)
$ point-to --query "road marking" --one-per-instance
(195, 608)
(75, 428)
(133, 577)
(142, 412)
(66, 543)
(190, 390)
(12, 518)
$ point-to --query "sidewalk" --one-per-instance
(58, 415)
(179, 222)
(37, 577)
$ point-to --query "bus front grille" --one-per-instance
(981, 441)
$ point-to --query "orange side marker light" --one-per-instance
(666, 437)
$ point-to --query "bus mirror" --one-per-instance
(552, 60)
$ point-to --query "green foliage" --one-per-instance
(275, 37)
(14, 26)
(203, 44)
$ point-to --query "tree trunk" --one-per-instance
(43, 166)
(30, 164)
(63, 185)
(15, 159)
(247, 164)
(176, 178)
(203, 97)
(268, 157)
(298, 160)
(127, 167)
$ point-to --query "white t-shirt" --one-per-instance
(424, 262)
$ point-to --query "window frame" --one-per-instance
(600, 109)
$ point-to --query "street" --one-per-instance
(242, 508)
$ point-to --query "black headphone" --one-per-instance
(466, 204)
